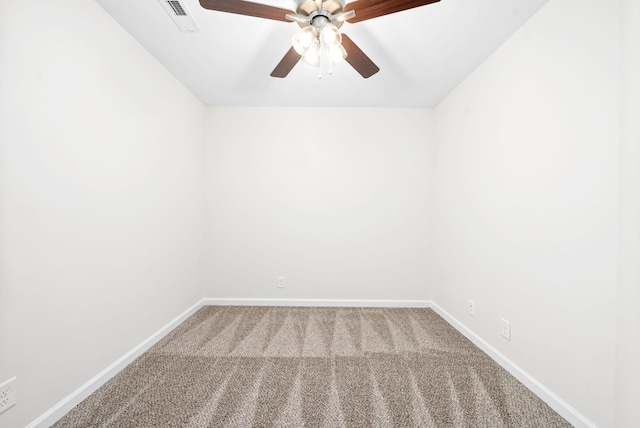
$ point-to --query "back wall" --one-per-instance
(338, 201)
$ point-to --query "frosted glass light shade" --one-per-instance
(303, 39)
(312, 55)
(330, 35)
(336, 53)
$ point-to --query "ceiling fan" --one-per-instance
(319, 22)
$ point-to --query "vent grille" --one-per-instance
(179, 14)
(177, 8)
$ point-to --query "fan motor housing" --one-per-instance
(308, 8)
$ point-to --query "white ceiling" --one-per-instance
(423, 53)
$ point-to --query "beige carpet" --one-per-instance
(313, 367)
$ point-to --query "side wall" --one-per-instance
(527, 160)
(628, 331)
(338, 201)
(101, 198)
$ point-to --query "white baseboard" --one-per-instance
(336, 303)
(574, 417)
(54, 414)
(556, 403)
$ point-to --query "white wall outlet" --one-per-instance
(471, 308)
(8, 394)
(281, 282)
(505, 330)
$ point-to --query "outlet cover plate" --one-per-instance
(8, 394)
(505, 329)
(471, 308)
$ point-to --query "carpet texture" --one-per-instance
(313, 367)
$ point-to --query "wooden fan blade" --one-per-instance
(358, 59)
(287, 63)
(367, 9)
(241, 7)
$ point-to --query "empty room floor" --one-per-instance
(313, 367)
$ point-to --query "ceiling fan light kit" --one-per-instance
(310, 41)
(320, 21)
(319, 31)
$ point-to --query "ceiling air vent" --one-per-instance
(179, 14)
(177, 8)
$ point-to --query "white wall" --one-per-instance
(628, 331)
(527, 161)
(336, 200)
(101, 198)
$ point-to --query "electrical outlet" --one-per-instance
(505, 330)
(281, 282)
(8, 394)
(471, 307)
